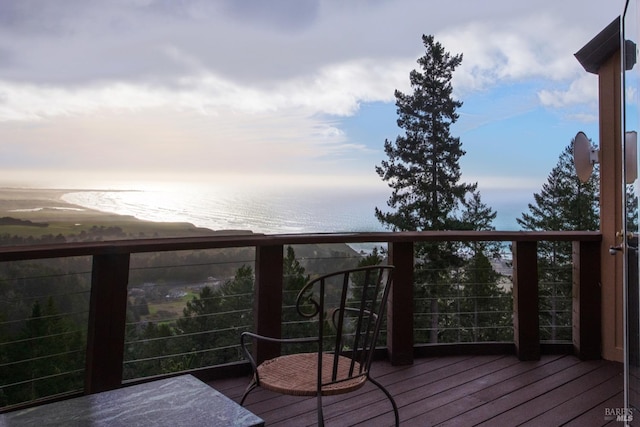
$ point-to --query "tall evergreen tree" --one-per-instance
(564, 204)
(294, 279)
(214, 319)
(423, 169)
(47, 357)
(485, 307)
(423, 172)
(374, 258)
(154, 348)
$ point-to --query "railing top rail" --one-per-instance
(15, 253)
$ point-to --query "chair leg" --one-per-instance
(320, 414)
(253, 384)
(393, 402)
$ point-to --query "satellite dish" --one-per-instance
(584, 156)
(631, 156)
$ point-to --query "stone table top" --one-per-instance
(178, 401)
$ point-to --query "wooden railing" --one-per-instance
(110, 275)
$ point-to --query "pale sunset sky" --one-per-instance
(101, 94)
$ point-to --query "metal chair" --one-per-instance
(345, 309)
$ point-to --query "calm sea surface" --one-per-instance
(269, 210)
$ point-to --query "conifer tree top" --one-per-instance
(423, 163)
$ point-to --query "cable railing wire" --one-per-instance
(39, 358)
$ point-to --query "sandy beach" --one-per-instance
(46, 206)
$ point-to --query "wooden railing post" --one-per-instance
(526, 322)
(586, 300)
(107, 319)
(400, 305)
(267, 307)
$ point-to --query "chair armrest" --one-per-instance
(280, 340)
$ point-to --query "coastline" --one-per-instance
(41, 204)
(50, 215)
(45, 206)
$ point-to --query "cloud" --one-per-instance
(288, 14)
(583, 117)
(174, 141)
(335, 90)
(148, 67)
(583, 90)
(78, 42)
(523, 49)
(228, 84)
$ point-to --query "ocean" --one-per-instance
(261, 210)
(270, 210)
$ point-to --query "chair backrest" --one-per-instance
(348, 307)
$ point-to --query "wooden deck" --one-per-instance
(459, 391)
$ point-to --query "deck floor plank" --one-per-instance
(458, 390)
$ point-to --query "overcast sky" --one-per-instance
(166, 88)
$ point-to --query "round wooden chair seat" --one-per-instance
(297, 375)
